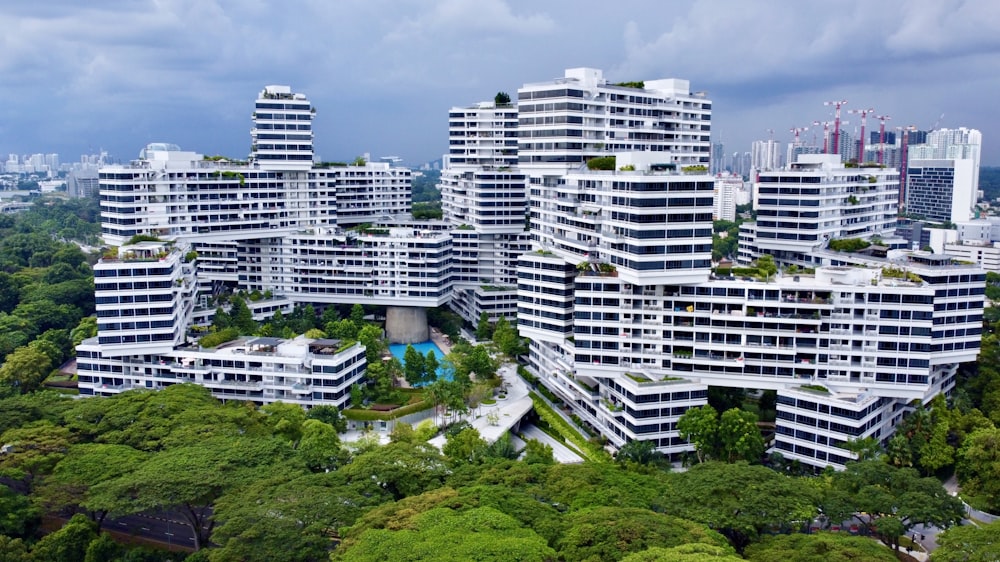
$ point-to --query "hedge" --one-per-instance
(557, 423)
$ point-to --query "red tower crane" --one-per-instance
(881, 136)
(796, 130)
(836, 122)
(864, 121)
(826, 136)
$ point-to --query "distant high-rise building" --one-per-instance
(873, 137)
(951, 144)
(765, 155)
(725, 199)
(718, 158)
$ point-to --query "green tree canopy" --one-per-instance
(482, 533)
(818, 547)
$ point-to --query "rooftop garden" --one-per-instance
(605, 163)
(637, 84)
(848, 245)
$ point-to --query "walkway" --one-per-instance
(505, 413)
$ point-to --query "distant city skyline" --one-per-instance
(117, 75)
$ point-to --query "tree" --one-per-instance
(818, 547)
(639, 452)
(370, 336)
(85, 465)
(894, 499)
(465, 447)
(328, 414)
(441, 534)
(430, 367)
(610, 532)
(694, 552)
(319, 446)
(25, 369)
(188, 480)
(342, 330)
(358, 316)
(400, 469)
(738, 437)
(979, 467)
(242, 317)
(740, 501)
(484, 330)
(502, 98)
(34, 452)
(413, 366)
(536, 452)
(969, 543)
(291, 517)
(506, 339)
(285, 420)
(18, 517)
(68, 544)
(766, 266)
(700, 427)
(104, 549)
(13, 550)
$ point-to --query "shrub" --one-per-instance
(601, 163)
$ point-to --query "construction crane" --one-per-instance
(796, 130)
(881, 136)
(837, 123)
(826, 131)
(864, 121)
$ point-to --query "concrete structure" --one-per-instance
(406, 324)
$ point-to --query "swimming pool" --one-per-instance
(398, 350)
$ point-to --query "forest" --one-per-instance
(277, 482)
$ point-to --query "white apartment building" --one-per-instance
(984, 254)
(484, 197)
(144, 294)
(628, 326)
(282, 136)
(729, 193)
(819, 199)
(258, 369)
(765, 155)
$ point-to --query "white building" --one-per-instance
(819, 199)
(484, 196)
(765, 155)
(628, 326)
(942, 190)
(729, 193)
(261, 370)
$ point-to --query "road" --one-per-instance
(167, 528)
(560, 452)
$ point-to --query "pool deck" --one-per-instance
(441, 340)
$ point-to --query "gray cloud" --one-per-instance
(383, 73)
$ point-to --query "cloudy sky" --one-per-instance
(77, 76)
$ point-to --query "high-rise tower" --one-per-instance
(282, 134)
